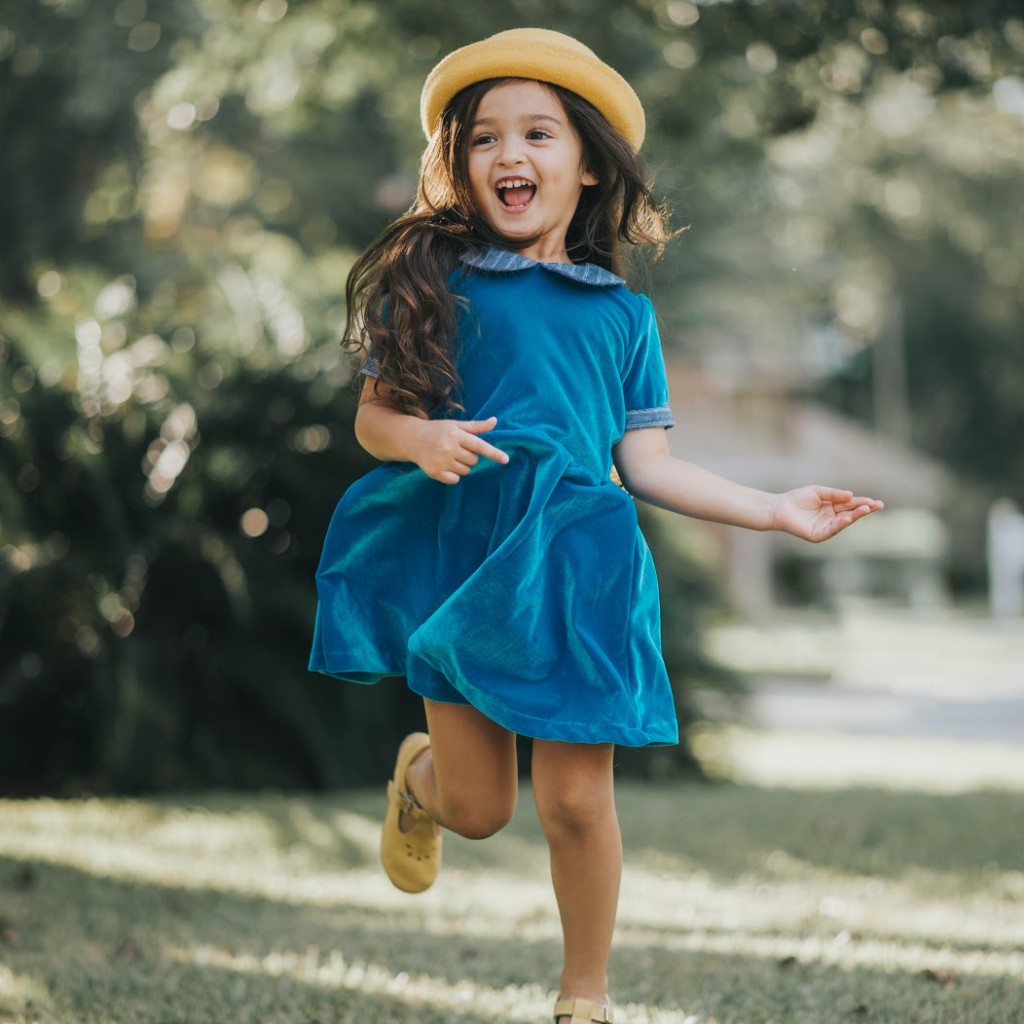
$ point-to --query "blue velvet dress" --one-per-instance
(527, 589)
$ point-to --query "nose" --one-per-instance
(511, 152)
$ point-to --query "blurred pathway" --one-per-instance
(884, 711)
(889, 674)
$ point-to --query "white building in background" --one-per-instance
(1006, 559)
(773, 441)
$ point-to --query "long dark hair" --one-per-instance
(398, 300)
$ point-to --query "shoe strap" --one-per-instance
(406, 802)
(583, 1011)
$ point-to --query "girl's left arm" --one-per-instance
(649, 472)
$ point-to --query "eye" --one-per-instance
(481, 140)
(538, 133)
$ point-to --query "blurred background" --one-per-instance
(185, 185)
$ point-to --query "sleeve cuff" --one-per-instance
(660, 416)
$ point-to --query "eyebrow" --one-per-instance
(524, 117)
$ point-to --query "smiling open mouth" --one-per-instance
(515, 193)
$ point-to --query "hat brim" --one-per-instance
(541, 55)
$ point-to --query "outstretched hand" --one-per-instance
(817, 513)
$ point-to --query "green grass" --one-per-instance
(793, 896)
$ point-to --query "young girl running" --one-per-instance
(492, 560)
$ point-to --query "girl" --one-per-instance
(491, 559)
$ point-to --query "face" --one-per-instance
(526, 167)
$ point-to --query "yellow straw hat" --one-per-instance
(543, 55)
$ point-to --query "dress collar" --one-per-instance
(505, 261)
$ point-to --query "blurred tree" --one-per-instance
(850, 171)
(186, 186)
(174, 409)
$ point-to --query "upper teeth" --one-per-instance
(513, 183)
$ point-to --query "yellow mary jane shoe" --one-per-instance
(411, 859)
(583, 1011)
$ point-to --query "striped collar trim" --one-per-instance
(505, 261)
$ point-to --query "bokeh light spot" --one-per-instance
(271, 11)
(130, 12)
(183, 339)
(874, 41)
(30, 664)
(210, 375)
(23, 379)
(49, 284)
(680, 54)
(181, 116)
(27, 61)
(424, 47)
(761, 58)
(682, 13)
(314, 438)
(123, 625)
(254, 522)
(10, 412)
(144, 36)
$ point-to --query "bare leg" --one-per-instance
(573, 788)
(467, 780)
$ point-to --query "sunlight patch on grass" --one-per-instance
(822, 904)
(661, 890)
(842, 949)
(20, 991)
(238, 850)
(742, 903)
(512, 1003)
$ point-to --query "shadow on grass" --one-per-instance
(100, 949)
(728, 830)
(725, 829)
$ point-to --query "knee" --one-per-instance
(575, 812)
(474, 817)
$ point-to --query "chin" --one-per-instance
(512, 232)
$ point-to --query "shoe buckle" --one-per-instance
(409, 805)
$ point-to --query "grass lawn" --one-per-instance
(821, 885)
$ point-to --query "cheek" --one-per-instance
(477, 174)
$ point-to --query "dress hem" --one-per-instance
(520, 724)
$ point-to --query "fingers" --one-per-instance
(488, 451)
(460, 449)
(454, 472)
(480, 446)
(834, 495)
(860, 507)
(480, 426)
(844, 501)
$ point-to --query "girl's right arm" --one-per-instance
(446, 450)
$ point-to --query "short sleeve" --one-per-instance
(644, 384)
(371, 368)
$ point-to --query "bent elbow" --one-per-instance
(363, 428)
(632, 483)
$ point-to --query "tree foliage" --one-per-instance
(187, 184)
